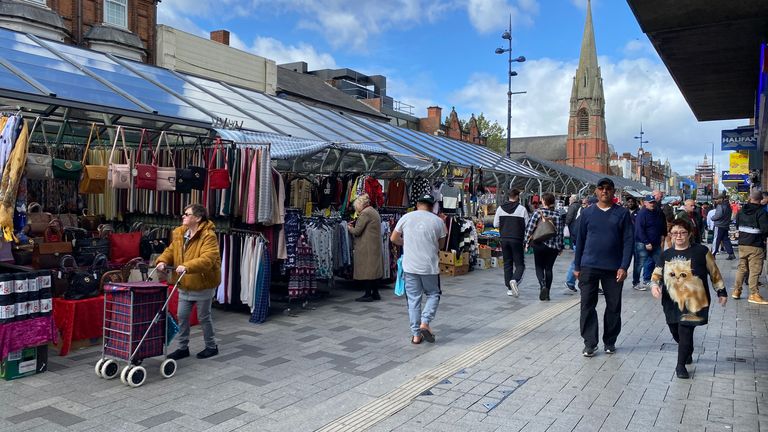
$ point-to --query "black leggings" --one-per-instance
(683, 335)
(544, 258)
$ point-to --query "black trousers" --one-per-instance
(721, 236)
(683, 335)
(514, 260)
(544, 258)
(590, 279)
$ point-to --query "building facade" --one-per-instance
(122, 27)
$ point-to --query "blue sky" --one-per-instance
(442, 53)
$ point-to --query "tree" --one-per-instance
(496, 138)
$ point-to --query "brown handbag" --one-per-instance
(94, 178)
(89, 222)
(48, 255)
(166, 176)
(68, 220)
(37, 220)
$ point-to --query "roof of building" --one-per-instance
(551, 147)
(311, 87)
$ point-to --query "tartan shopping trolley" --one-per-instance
(135, 320)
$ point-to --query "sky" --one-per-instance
(441, 52)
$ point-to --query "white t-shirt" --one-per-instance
(421, 231)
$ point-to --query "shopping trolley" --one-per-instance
(131, 333)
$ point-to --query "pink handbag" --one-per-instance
(166, 176)
(146, 174)
(119, 176)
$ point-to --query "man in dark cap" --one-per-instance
(422, 235)
(604, 249)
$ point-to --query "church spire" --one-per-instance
(588, 73)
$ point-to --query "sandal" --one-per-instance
(413, 340)
(427, 335)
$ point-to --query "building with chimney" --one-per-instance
(120, 27)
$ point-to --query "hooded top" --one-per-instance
(510, 219)
(752, 221)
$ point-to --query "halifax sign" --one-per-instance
(738, 139)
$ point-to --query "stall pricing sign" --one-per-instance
(738, 139)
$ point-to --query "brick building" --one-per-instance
(121, 27)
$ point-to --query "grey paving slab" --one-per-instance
(160, 419)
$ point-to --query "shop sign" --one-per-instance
(739, 162)
(738, 139)
(727, 176)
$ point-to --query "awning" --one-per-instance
(566, 179)
(333, 156)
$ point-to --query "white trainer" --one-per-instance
(513, 291)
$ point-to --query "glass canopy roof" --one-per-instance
(37, 71)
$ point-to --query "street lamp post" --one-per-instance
(510, 73)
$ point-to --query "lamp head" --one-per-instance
(506, 35)
(500, 50)
(513, 73)
(520, 59)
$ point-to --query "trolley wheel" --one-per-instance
(97, 368)
(168, 368)
(110, 369)
(124, 373)
(137, 376)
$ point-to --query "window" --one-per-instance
(40, 2)
(582, 126)
(116, 13)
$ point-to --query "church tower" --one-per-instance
(587, 144)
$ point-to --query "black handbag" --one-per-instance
(86, 250)
(82, 284)
(191, 177)
(152, 243)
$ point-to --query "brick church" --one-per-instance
(586, 144)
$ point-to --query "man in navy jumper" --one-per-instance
(650, 230)
(604, 249)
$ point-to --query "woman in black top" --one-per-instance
(681, 284)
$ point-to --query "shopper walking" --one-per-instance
(691, 214)
(545, 252)
(570, 217)
(650, 231)
(194, 251)
(368, 260)
(422, 234)
(603, 252)
(722, 221)
(511, 219)
(711, 224)
(681, 284)
(752, 222)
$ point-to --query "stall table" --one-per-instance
(78, 319)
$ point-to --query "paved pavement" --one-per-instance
(499, 364)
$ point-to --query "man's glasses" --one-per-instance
(678, 233)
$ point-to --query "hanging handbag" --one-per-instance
(218, 178)
(119, 174)
(38, 165)
(94, 178)
(68, 220)
(65, 169)
(166, 176)
(152, 243)
(545, 229)
(124, 247)
(191, 177)
(89, 222)
(37, 220)
(82, 284)
(146, 174)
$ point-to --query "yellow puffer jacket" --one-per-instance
(201, 258)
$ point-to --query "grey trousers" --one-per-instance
(203, 300)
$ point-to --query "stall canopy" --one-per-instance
(59, 80)
(303, 155)
(566, 180)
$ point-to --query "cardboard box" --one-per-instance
(484, 253)
(29, 361)
(450, 258)
(450, 270)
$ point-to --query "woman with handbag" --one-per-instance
(544, 233)
(194, 250)
(368, 259)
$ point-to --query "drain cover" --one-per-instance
(736, 359)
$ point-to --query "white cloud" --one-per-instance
(493, 15)
(638, 48)
(281, 53)
(636, 91)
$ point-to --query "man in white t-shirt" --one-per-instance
(422, 235)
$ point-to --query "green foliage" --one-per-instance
(496, 137)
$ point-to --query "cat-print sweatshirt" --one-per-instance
(605, 239)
